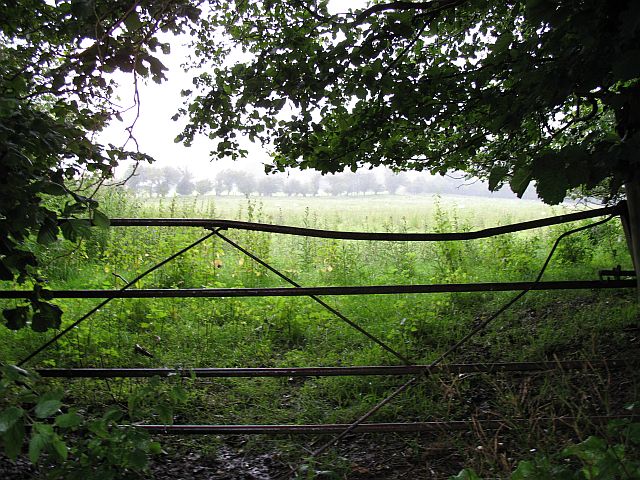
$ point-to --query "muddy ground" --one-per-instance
(360, 457)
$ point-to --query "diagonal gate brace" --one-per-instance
(318, 300)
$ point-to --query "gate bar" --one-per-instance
(334, 371)
(309, 291)
(332, 428)
(312, 232)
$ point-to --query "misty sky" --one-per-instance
(155, 131)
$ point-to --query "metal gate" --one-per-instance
(415, 372)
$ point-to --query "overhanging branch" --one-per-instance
(426, 7)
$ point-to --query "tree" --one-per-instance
(292, 187)
(246, 183)
(223, 182)
(203, 186)
(153, 180)
(185, 186)
(314, 184)
(163, 188)
(228, 179)
(55, 94)
(393, 181)
(169, 177)
(367, 182)
(269, 185)
(337, 184)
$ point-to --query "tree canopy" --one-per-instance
(56, 93)
(521, 91)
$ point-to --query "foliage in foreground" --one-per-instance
(55, 64)
(616, 456)
(74, 442)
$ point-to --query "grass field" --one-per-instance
(280, 331)
(362, 212)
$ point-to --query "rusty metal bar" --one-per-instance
(332, 428)
(311, 232)
(456, 369)
(310, 291)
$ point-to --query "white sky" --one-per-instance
(155, 131)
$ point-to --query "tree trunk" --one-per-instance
(631, 223)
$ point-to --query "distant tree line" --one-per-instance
(162, 181)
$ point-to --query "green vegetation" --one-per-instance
(433, 85)
(279, 332)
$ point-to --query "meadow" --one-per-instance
(295, 331)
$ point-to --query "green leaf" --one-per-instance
(520, 180)
(526, 470)
(466, 474)
(47, 408)
(498, 173)
(14, 373)
(16, 318)
(503, 42)
(9, 417)
(178, 393)
(551, 179)
(98, 428)
(165, 413)
(155, 448)
(157, 69)
(37, 443)
(75, 228)
(69, 420)
(52, 188)
(137, 459)
(112, 414)
(60, 448)
(132, 22)
(48, 232)
(590, 450)
(82, 9)
(100, 219)
(13, 438)
(552, 190)
(47, 316)
(632, 433)
(48, 404)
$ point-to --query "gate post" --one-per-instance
(631, 223)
